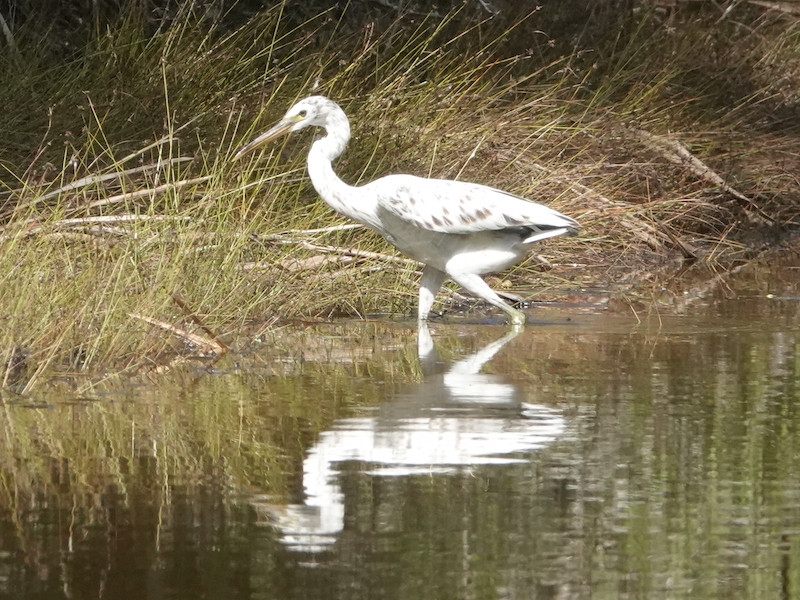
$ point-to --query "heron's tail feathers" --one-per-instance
(543, 235)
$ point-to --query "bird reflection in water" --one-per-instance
(452, 421)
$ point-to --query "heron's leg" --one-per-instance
(426, 350)
(429, 284)
(476, 285)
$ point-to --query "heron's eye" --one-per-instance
(303, 113)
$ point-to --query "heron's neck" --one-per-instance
(343, 198)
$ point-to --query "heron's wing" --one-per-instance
(459, 207)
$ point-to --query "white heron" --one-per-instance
(456, 229)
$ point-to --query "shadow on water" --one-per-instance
(611, 456)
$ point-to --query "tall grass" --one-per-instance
(118, 192)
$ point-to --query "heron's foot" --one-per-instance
(517, 319)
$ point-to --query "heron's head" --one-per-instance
(314, 110)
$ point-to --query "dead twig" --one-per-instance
(192, 338)
(35, 226)
(359, 253)
(704, 289)
(791, 8)
(678, 154)
(220, 345)
(638, 228)
(343, 227)
(289, 236)
(294, 265)
(143, 193)
(95, 179)
(689, 252)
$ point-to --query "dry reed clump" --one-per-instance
(128, 238)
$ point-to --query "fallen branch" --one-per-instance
(704, 289)
(35, 226)
(349, 271)
(94, 179)
(639, 229)
(343, 227)
(359, 253)
(678, 154)
(294, 265)
(220, 345)
(192, 338)
(787, 7)
(146, 192)
(689, 252)
(289, 236)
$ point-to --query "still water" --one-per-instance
(647, 455)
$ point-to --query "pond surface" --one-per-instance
(590, 456)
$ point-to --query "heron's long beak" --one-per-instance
(282, 128)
